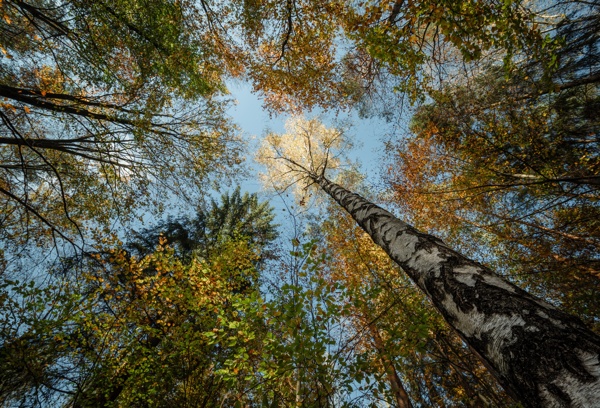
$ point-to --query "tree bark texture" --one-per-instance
(539, 354)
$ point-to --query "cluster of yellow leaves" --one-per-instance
(152, 315)
(306, 150)
(293, 56)
(419, 175)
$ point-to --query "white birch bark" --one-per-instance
(541, 355)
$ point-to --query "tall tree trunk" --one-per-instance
(400, 394)
(541, 355)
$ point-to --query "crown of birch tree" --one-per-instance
(302, 154)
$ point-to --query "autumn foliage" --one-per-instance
(124, 282)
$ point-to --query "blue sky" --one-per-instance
(254, 122)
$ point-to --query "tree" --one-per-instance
(169, 334)
(104, 109)
(144, 324)
(513, 162)
(307, 363)
(539, 354)
(333, 53)
(408, 339)
(237, 216)
(421, 42)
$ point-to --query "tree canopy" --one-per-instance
(126, 282)
(106, 107)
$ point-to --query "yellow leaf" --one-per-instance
(27, 110)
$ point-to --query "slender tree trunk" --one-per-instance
(400, 394)
(541, 355)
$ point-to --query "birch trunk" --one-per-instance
(540, 355)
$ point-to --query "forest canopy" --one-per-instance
(133, 274)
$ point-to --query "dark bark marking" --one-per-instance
(560, 394)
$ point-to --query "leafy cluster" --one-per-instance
(294, 159)
(105, 110)
(508, 170)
